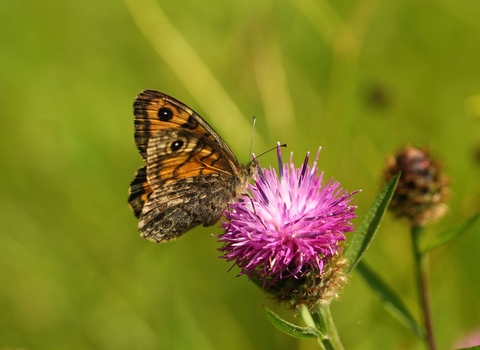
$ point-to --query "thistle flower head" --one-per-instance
(423, 188)
(289, 227)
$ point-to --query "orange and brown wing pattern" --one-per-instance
(139, 191)
(155, 111)
(177, 154)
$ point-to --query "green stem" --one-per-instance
(421, 268)
(323, 321)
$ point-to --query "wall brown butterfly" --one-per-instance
(190, 174)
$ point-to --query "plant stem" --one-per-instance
(324, 323)
(421, 268)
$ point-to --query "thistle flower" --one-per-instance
(287, 233)
(422, 189)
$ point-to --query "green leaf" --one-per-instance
(369, 226)
(291, 329)
(391, 301)
(476, 347)
(450, 234)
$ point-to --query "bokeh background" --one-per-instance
(359, 78)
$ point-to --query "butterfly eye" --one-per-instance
(165, 114)
(176, 145)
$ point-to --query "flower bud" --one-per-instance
(423, 188)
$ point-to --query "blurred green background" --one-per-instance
(359, 78)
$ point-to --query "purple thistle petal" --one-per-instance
(279, 156)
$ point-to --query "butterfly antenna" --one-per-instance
(253, 158)
(271, 149)
(251, 138)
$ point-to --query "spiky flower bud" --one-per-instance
(423, 188)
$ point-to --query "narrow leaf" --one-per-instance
(391, 301)
(291, 329)
(366, 231)
(450, 234)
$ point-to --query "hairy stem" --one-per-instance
(323, 321)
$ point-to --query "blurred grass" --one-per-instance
(358, 78)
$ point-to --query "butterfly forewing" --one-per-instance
(155, 111)
(173, 155)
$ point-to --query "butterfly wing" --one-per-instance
(139, 191)
(192, 181)
(168, 214)
(154, 110)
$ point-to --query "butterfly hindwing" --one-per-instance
(179, 207)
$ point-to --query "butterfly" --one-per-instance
(190, 174)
